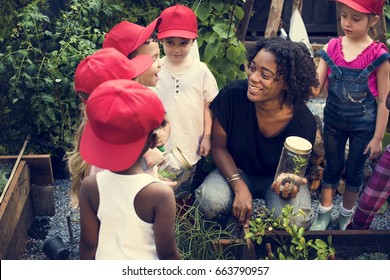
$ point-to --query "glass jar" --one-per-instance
(174, 167)
(293, 161)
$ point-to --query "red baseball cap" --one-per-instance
(121, 114)
(108, 64)
(126, 36)
(178, 21)
(365, 6)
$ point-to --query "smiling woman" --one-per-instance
(253, 118)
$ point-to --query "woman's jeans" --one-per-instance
(214, 198)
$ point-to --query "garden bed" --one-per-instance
(348, 244)
(26, 195)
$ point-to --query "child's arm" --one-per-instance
(164, 224)
(322, 74)
(89, 223)
(205, 143)
(374, 147)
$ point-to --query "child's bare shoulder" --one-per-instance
(159, 190)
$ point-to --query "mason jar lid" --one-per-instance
(181, 158)
(298, 145)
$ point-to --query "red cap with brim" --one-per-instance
(121, 114)
(108, 64)
(127, 37)
(177, 33)
(178, 21)
(364, 6)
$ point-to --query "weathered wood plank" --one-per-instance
(274, 18)
(12, 205)
(40, 167)
(17, 245)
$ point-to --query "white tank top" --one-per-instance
(122, 234)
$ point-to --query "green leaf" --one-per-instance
(239, 13)
(204, 11)
(211, 50)
(217, 4)
(321, 244)
(223, 30)
(259, 239)
(47, 98)
(233, 53)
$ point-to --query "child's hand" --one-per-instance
(153, 156)
(374, 148)
(163, 134)
(154, 173)
(205, 147)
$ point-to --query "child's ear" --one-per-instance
(373, 20)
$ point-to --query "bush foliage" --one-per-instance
(41, 47)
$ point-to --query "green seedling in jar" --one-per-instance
(167, 175)
(299, 163)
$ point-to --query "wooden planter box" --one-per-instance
(349, 244)
(28, 194)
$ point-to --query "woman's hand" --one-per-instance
(285, 187)
(242, 203)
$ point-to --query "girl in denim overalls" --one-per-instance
(357, 71)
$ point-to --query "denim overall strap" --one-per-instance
(335, 70)
(371, 68)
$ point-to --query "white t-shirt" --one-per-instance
(184, 96)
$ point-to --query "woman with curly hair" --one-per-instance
(253, 117)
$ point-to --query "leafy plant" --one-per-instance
(197, 239)
(291, 246)
(38, 67)
(218, 45)
(40, 51)
(299, 163)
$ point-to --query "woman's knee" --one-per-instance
(214, 197)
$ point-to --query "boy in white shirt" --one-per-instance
(186, 86)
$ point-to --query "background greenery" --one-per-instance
(42, 41)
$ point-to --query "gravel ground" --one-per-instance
(44, 228)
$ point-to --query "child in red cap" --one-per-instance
(186, 85)
(104, 65)
(132, 40)
(356, 70)
(124, 213)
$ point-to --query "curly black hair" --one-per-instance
(294, 65)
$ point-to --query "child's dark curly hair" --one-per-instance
(294, 65)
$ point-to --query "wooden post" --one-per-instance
(243, 24)
(274, 17)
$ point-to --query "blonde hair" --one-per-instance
(78, 168)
